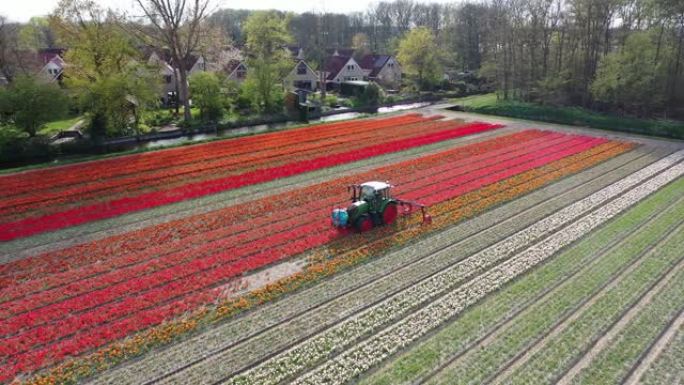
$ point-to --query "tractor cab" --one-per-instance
(370, 191)
(371, 205)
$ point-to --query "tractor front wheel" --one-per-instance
(364, 223)
(390, 213)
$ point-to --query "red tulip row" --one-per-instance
(202, 228)
(49, 199)
(154, 305)
(102, 306)
(72, 217)
(117, 269)
(138, 163)
(450, 188)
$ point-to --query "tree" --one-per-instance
(104, 68)
(626, 78)
(37, 34)
(205, 88)
(29, 103)
(419, 57)
(266, 34)
(177, 25)
(361, 45)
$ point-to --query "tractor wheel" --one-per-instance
(364, 223)
(390, 213)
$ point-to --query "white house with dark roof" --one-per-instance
(382, 69)
(339, 69)
(302, 77)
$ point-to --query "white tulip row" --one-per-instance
(372, 351)
(340, 336)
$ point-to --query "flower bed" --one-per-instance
(525, 182)
(195, 274)
(235, 161)
(34, 225)
(503, 308)
(361, 357)
(133, 164)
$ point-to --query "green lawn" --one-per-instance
(52, 128)
(163, 116)
(488, 104)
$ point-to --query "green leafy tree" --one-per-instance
(105, 69)
(205, 88)
(361, 45)
(37, 34)
(266, 33)
(369, 97)
(419, 57)
(627, 79)
(29, 103)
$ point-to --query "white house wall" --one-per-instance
(308, 76)
(390, 74)
(351, 71)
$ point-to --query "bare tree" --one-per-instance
(177, 25)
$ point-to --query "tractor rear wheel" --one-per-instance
(364, 223)
(390, 213)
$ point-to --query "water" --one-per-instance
(265, 127)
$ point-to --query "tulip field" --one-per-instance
(551, 257)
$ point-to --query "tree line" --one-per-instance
(624, 56)
(618, 55)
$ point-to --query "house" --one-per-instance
(52, 61)
(382, 69)
(302, 77)
(236, 70)
(339, 68)
(162, 59)
(195, 64)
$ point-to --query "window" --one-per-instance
(167, 78)
(350, 67)
(301, 69)
(302, 84)
(390, 64)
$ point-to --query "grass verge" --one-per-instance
(576, 116)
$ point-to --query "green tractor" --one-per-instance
(372, 205)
